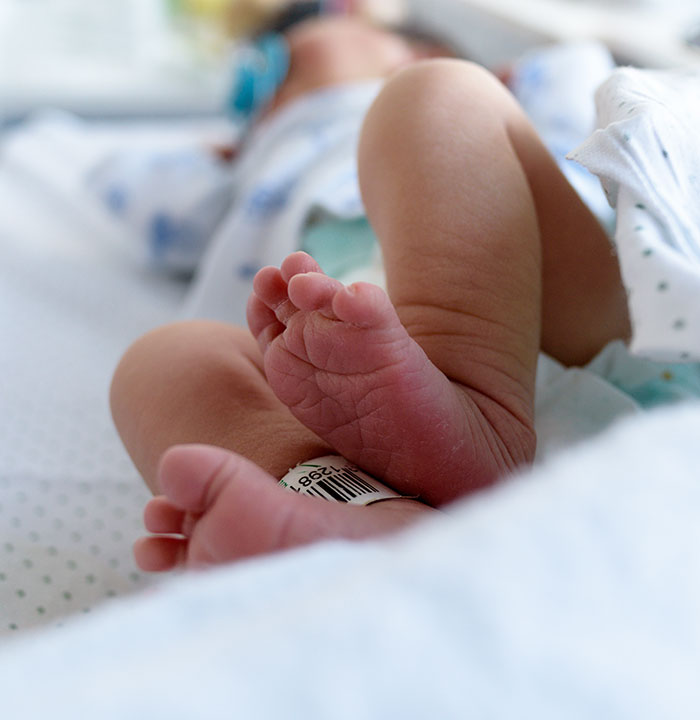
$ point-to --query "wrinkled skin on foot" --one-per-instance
(340, 359)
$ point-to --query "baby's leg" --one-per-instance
(463, 197)
(202, 382)
(467, 203)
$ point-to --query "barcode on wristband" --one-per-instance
(335, 481)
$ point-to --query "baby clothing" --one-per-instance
(555, 86)
(298, 169)
(647, 155)
(170, 201)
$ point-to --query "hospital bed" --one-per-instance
(571, 591)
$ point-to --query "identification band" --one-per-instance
(334, 478)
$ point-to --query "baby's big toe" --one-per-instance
(365, 305)
(191, 475)
(314, 291)
(159, 554)
(298, 263)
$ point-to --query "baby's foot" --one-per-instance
(219, 507)
(340, 359)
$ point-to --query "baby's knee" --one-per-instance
(436, 76)
(431, 98)
(422, 117)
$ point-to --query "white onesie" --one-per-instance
(647, 155)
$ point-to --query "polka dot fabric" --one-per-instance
(65, 547)
(71, 502)
(647, 155)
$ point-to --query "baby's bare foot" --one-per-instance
(219, 507)
(340, 359)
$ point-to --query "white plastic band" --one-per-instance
(334, 478)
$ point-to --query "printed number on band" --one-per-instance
(333, 478)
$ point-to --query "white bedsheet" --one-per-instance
(70, 500)
(571, 592)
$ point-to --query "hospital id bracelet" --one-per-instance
(334, 478)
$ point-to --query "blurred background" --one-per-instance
(131, 57)
(163, 57)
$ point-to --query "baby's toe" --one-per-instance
(271, 289)
(160, 554)
(191, 476)
(161, 516)
(314, 291)
(366, 305)
(270, 286)
(262, 322)
(298, 263)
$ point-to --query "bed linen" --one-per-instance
(568, 592)
(70, 500)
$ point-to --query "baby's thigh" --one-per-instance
(203, 382)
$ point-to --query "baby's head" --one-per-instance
(290, 60)
(340, 49)
(353, 48)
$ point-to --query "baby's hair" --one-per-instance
(290, 15)
(420, 36)
(296, 12)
